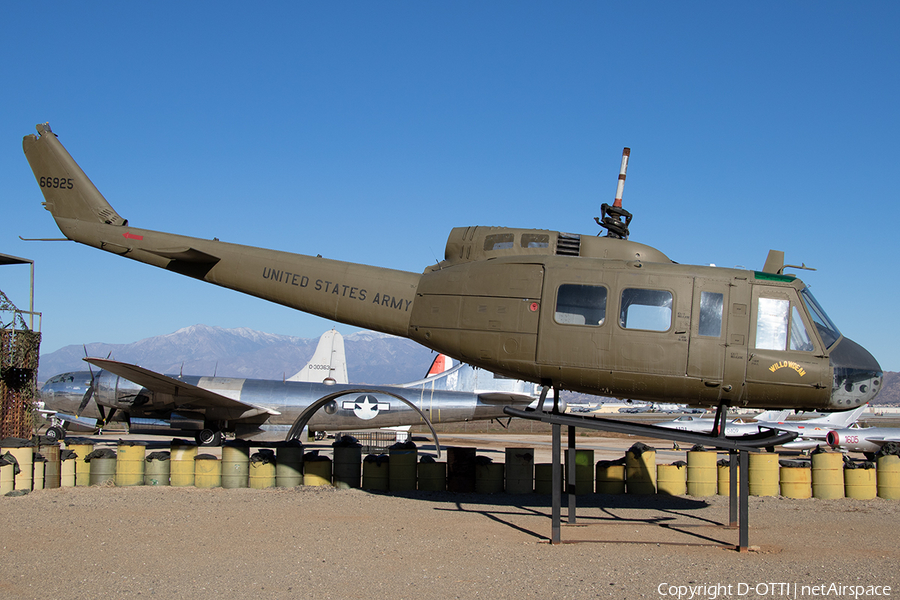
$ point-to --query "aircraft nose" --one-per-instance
(857, 375)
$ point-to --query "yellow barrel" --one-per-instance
(763, 474)
(103, 471)
(610, 477)
(51, 452)
(375, 472)
(156, 468)
(702, 477)
(181, 463)
(460, 469)
(489, 478)
(402, 474)
(432, 476)
(543, 478)
(827, 475)
(7, 478)
(723, 479)
(519, 471)
(671, 480)
(67, 472)
(289, 465)
(24, 455)
(888, 477)
(207, 471)
(82, 448)
(262, 470)
(235, 465)
(347, 467)
(130, 463)
(640, 470)
(796, 481)
(860, 484)
(317, 472)
(37, 477)
(584, 471)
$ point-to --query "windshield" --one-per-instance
(827, 330)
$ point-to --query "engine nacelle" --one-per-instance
(852, 440)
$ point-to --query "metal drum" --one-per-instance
(432, 476)
(584, 471)
(827, 475)
(610, 477)
(461, 469)
(81, 448)
(156, 468)
(67, 466)
(701, 473)
(347, 467)
(23, 451)
(51, 453)
(316, 470)
(543, 478)
(796, 480)
(860, 483)
(181, 463)
(7, 477)
(640, 470)
(723, 470)
(130, 463)
(402, 474)
(207, 471)
(763, 474)
(375, 472)
(37, 477)
(671, 480)
(488, 478)
(888, 477)
(235, 465)
(519, 470)
(262, 470)
(103, 471)
(289, 465)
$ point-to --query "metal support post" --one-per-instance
(733, 488)
(556, 484)
(744, 537)
(571, 475)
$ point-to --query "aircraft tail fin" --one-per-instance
(773, 415)
(441, 363)
(329, 362)
(68, 192)
(839, 420)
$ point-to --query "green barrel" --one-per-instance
(375, 472)
(181, 463)
(289, 465)
(461, 469)
(235, 465)
(519, 470)
(796, 481)
(827, 475)
(403, 470)
(432, 476)
(860, 484)
(262, 470)
(888, 477)
(347, 467)
(156, 468)
(671, 480)
(610, 477)
(52, 464)
(640, 470)
(81, 447)
(317, 472)
(702, 477)
(584, 471)
(207, 471)
(103, 471)
(489, 478)
(763, 474)
(543, 478)
(130, 463)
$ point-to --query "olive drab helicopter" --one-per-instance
(593, 314)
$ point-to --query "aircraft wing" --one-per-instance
(186, 396)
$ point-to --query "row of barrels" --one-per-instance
(823, 476)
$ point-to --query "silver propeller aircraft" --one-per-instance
(261, 409)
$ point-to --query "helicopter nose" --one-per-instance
(857, 375)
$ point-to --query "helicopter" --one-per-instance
(596, 314)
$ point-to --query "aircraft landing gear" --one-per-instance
(55, 434)
(208, 437)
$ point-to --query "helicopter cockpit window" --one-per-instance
(499, 241)
(799, 336)
(535, 240)
(646, 309)
(711, 304)
(827, 330)
(775, 319)
(580, 305)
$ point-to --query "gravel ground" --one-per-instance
(160, 542)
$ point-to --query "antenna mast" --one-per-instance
(616, 219)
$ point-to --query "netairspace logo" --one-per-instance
(795, 591)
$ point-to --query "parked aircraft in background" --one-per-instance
(328, 363)
(868, 440)
(209, 407)
(733, 428)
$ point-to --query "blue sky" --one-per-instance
(365, 131)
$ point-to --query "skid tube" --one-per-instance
(737, 448)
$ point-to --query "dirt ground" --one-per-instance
(162, 542)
